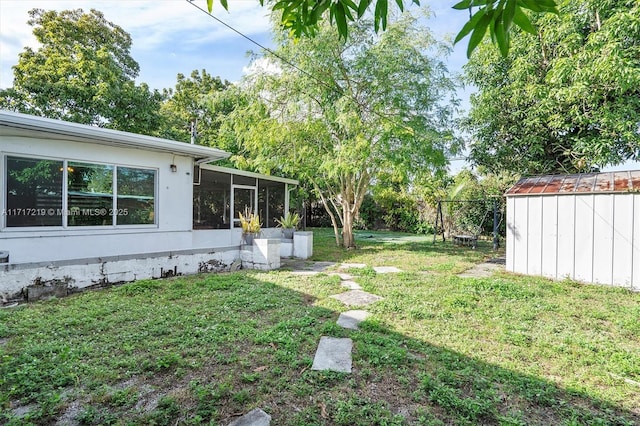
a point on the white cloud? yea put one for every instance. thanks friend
(159, 28)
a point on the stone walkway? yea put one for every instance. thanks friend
(333, 353)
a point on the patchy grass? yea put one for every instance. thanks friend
(439, 349)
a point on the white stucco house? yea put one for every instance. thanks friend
(83, 205)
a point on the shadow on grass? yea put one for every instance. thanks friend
(207, 348)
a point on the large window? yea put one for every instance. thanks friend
(34, 192)
(89, 194)
(40, 193)
(136, 196)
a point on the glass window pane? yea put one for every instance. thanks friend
(270, 202)
(34, 192)
(89, 194)
(136, 196)
(212, 201)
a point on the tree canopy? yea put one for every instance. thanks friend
(185, 107)
(83, 72)
(351, 112)
(565, 101)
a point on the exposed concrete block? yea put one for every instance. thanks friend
(40, 291)
(33, 281)
(263, 254)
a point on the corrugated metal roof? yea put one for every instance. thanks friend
(607, 182)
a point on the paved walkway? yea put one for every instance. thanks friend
(335, 354)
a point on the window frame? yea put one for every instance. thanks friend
(65, 195)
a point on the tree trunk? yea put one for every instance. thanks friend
(348, 241)
(334, 222)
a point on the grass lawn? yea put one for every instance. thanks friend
(439, 349)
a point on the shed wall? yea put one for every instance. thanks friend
(591, 237)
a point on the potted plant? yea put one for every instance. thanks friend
(250, 226)
(288, 223)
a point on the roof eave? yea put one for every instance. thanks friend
(109, 136)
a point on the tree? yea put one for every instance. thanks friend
(83, 72)
(350, 112)
(185, 107)
(566, 101)
(495, 16)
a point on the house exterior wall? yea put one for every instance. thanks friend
(57, 260)
(593, 237)
(172, 230)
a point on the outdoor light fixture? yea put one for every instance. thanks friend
(174, 168)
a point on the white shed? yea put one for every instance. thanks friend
(584, 227)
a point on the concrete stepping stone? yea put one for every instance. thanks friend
(255, 417)
(353, 265)
(386, 269)
(351, 319)
(305, 265)
(343, 276)
(351, 285)
(356, 298)
(482, 270)
(333, 354)
(304, 272)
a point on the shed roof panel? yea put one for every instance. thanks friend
(607, 182)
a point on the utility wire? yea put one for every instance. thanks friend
(271, 51)
(332, 87)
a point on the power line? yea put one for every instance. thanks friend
(333, 87)
(286, 61)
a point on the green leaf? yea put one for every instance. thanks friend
(501, 36)
(362, 7)
(380, 15)
(210, 5)
(224, 4)
(509, 11)
(350, 5)
(470, 25)
(464, 4)
(522, 20)
(318, 10)
(341, 19)
(478, 33)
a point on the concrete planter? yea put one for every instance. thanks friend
(303, 244)
(264, 254)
